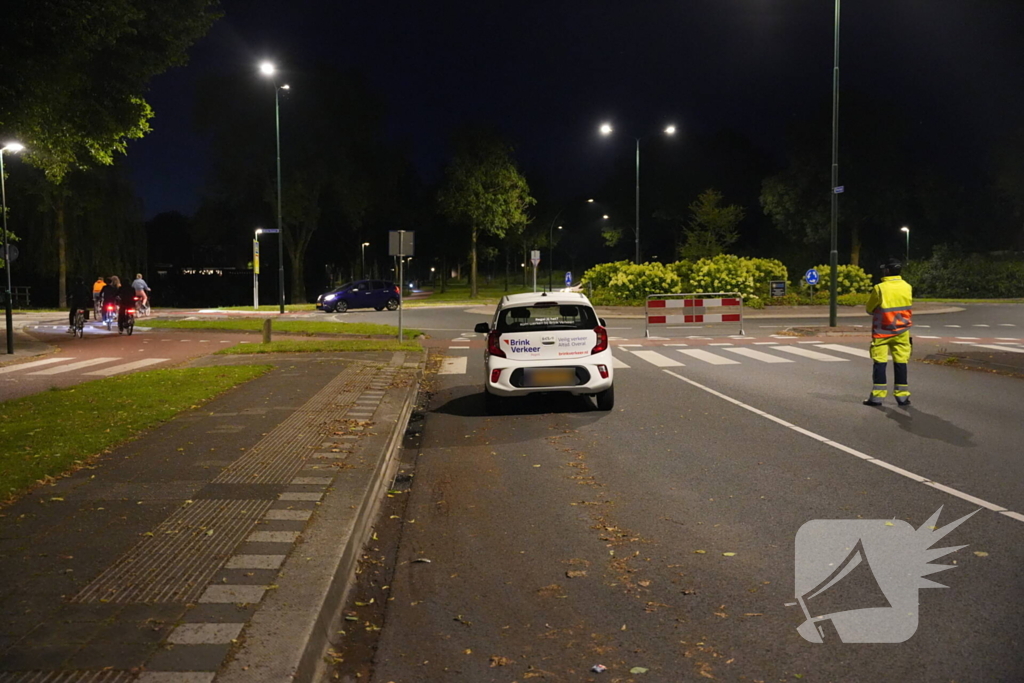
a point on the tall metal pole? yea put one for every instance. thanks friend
(8, 307)
(907, 259)
(256, 273)
(280, 227)
(834, 253)
(401, 279)
(637, 200)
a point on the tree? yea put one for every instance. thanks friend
(711, 228)
(74, 76)
(484, 191)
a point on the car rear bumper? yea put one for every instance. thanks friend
(510, 381)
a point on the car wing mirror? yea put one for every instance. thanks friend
(482, 328)
(601, 322)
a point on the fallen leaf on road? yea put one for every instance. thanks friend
(575, 574)
(752, 614)
(980, 553)
(499, 661)
(422, 559)
(638, 670)
(731, 554)
(645, 584)
(467, 651)
(700, 552)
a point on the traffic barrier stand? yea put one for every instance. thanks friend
(689, 309)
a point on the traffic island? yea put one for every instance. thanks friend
(222, 541)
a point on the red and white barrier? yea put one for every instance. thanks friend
(684, 309)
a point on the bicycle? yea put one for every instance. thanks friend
(78, 328)
(128, 326)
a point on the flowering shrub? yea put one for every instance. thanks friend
(724, 273)
(635, 282)
(600, 276)
(852, 279)
(766, 270)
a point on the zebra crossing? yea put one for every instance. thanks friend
(678, 354)
(68, 365)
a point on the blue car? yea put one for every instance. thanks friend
(376, 294)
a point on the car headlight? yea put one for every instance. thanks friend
(330, 297)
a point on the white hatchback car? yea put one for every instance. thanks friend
(547, 342)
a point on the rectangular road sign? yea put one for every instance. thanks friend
(400, 243)
(256, 256)
(535, 257)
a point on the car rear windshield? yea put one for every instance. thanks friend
(546, 317)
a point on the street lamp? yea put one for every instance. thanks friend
(906, 230)
(833, 257)
(362, 259)
(13, 148)
(268, 69)
(606, 129)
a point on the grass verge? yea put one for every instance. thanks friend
(283, 326)
(971, 301)
(458, 294)
(48, 434)
(271, 308)
(321, 346)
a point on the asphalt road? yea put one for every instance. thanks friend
(662, 535)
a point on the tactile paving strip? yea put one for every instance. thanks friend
(282, 452)
(177, 562)
(67, 677)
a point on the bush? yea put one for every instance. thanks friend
(766, 270)
(852, 299)
(600, 276)
(852, 279)
(684, 269)
(635, 282)
(724, 273)
(947, 274)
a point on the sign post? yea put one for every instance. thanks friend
(400, 244)
(812, 278)
(535, 260)
(256, 274)
(568, 278)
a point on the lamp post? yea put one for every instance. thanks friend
(906, 230)
(362, 259)
(256, 269)
(606, 129)
(833, 257)
(13, 148)
(268, 70)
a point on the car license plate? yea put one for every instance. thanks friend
(550, 377)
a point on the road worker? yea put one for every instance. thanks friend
(890, 305)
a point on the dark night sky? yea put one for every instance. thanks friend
(546, 73)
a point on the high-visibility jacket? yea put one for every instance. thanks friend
(98, 286)
(890, 306)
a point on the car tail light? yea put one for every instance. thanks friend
(495, 376)
(394, 289)
(603, 369)
(602, 340)
(492, 344)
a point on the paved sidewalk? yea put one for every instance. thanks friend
(223, 540)
(773, 312)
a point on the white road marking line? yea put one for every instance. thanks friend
(759, 355)
(126, 367)
(1008, 338)
(779, 336)
(675, 344)
(1008, 343)
(952, 326)
(207, 341)
(853, 351)
(922, 336)
(708, 357)
(1007, 325)
(658, 338)
(618, 364)
(807, 353)
(967, 338)
(981, 346)
(467, 348)
(655, 358)
(808, 342)
(223, 341)
(616, 338)
(922, 325)
(846, 449)
(765, 344)
(454, 366)
(721, 344)
(74, 366)
(460, 339)
(693, 337)
(980, 325)
(630, 346)
(33, 364)
(962, 342)
(739, 336)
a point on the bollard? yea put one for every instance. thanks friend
(266, 331)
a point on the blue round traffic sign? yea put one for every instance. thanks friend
(811, 276)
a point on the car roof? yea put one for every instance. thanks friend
(546, 297)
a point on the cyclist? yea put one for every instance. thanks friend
(140, 287)
(126, 300)
(79, 299)
(108, 296)
(97, 297)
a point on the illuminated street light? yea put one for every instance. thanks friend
(606, 129)
(268, 69)
(13, 148)
(907, 230)
(362, 259)
(605, 216)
